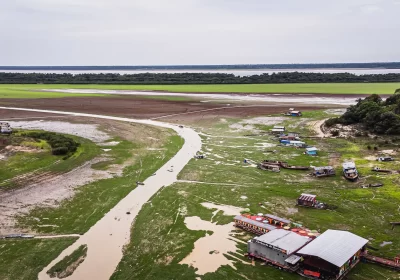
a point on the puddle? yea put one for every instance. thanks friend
(208, 253)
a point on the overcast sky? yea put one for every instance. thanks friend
(160, 32)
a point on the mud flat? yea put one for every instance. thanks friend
(283, 98)
(105, 240)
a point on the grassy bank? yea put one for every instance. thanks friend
(24, 259)
(34, 91)
(160, 239)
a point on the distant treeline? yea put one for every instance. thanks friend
(194, 78)
(368, 65)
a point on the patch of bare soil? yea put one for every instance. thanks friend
(137, 107)
(48, 190)
(334, 159)
(317, 127)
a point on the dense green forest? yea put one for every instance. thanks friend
(194, 78)
(376, 115)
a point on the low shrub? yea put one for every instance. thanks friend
(335, 132)
(60, 144)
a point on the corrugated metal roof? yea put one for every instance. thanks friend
(311, 149)
(255, 223)
(334, 246)
(283, 239)
(277, 218)
(307, 197)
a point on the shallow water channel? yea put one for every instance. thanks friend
(105, 240)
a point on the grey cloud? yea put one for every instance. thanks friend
(126, 32)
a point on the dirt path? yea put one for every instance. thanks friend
(105, 240)
(316, 126)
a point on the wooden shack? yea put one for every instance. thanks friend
(306, 199)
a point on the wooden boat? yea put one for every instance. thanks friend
(378, 169)
(294, 167)
(376, 185)
(349, 171)
(271, 162)
(267, 167)
(285, 165)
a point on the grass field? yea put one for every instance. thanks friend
(160, 236)
(34, 91)
(24, 259)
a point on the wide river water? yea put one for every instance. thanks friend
(235, 72)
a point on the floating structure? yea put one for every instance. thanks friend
(267, 167)
(253, 225)
(292, 112)
(293, 143)
(349, 171)
(277, 247)
(332, 255)
(312, 151)
(295, 167)
(375, 185)
(378, 169)
(5, 128)
(291, 136)
(323, 171)
(278, 129)
(284, 164)
(310, 200)
(275, 220)
(306, 199)
(385, 159)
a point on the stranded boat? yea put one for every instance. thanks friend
(284, 164)
(268, 167)
(349, 171)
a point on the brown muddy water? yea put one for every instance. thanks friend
(209, 252)
(106, 239)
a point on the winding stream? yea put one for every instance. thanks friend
(105, 240)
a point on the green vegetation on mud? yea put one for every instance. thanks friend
(67, 265)
(40, 159)
(24, 259)
(34, 91)
(160, 238)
